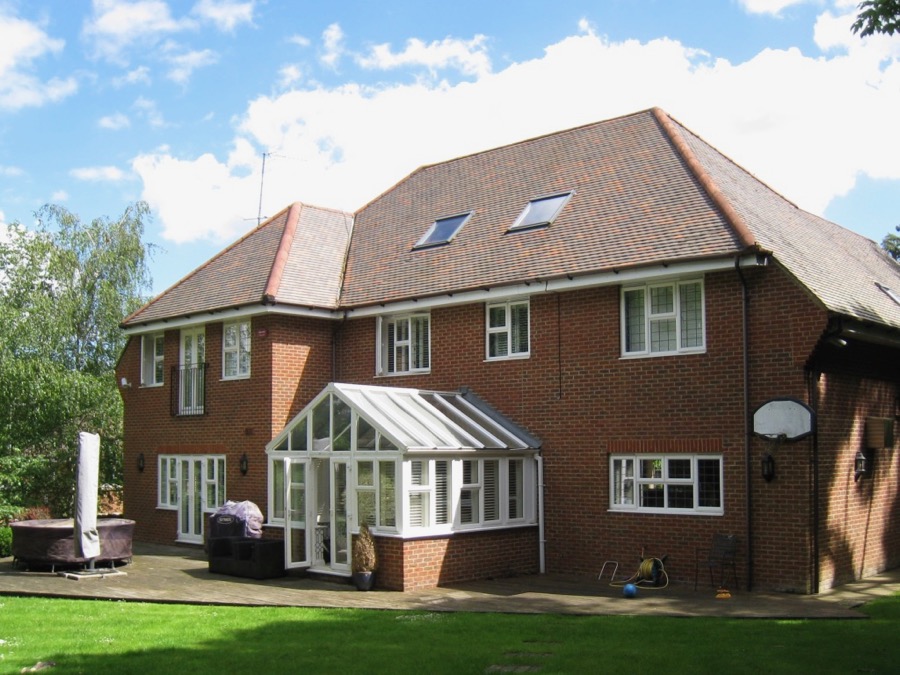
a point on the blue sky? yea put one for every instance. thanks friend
(176, 102)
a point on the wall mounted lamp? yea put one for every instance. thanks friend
(768, 468)
(244, 464)
(140, 462)
(862, 464)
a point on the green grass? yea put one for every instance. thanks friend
(88, 636)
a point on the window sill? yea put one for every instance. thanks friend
(665, 512)
(656, 355)
(514, 357)
(405, 373)
(236, 377)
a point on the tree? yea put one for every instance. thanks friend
(64, 288)
(877, 16)
(891, 244)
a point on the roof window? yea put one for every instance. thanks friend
(540, 212)
(443, 230)
(890, 293)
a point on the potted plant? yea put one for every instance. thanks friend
(364, 560)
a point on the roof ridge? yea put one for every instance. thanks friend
(706, 181)
(283, 253)
(133, 316)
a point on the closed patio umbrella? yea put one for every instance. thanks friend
(87, 538)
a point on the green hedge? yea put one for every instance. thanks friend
(5, 541)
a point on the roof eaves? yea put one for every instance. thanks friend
(745, 236)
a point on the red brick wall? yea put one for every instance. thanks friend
(242, 415)
(406, 565)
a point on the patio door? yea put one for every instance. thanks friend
(330, 536)
(191, 507)
(296, 536)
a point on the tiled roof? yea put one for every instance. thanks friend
(646, 191)
(294, 258)
(636, 202)
(841, 268)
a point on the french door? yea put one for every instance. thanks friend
(191, 506)
(315, 500)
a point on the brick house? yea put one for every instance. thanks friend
(534, 358)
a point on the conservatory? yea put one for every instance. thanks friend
(413, 464)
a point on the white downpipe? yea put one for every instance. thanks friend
(540, 476)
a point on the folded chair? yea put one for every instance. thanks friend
(719, 556)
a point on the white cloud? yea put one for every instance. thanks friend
(772, 7)
(184, 65)
(59, 196)
(807, 126)
(333, 45)
(289, 74)
(98, 174)
(114, 122)
(299, 40)
(148, 111)
(139, 75)
(11, 171)
(468, 56)
(225, 14)
(116, 25)
(22, 43)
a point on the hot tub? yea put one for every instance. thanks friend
(52, 542)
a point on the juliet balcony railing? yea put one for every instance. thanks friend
(189, 390)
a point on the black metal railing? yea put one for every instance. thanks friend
(189, 390)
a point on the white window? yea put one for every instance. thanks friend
(152, 352)
(666, 483)
(663, 319)
(236, 350)
(376, 489)
(428, 497)
(404, 344)
(507, 329)
(179, 473)
(492, 492)
(191, 385)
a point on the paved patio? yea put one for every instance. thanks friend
(180, 575)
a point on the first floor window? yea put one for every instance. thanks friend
(663, 318)
(152, 352)
(507, 329)
(666, 483)
(236, 350)
(405, 344)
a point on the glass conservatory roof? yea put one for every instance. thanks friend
(420, 420)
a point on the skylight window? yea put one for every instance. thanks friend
(540, 212)
(443, 230)
(890, 293)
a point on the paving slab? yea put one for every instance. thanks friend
(177, 574)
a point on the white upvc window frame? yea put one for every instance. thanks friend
(403, 344)
(169, 481)
(505, 492)
(428, 502)
(153, 359)
(634, 479)
(688, 320)
(236, 350)
(500, 339)
(385, 519)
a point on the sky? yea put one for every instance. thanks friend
(218, 113)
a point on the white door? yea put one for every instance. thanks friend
(296, 537)
(191, 394)
(191, 506)
(329, 539)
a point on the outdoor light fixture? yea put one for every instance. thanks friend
(244, 465)
(768, 468)
(140, 463)
(861, 465)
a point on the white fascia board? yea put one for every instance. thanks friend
(231, 314)
(557, 285)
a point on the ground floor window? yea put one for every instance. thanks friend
(666, 483)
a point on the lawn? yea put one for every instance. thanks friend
(89, 636)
